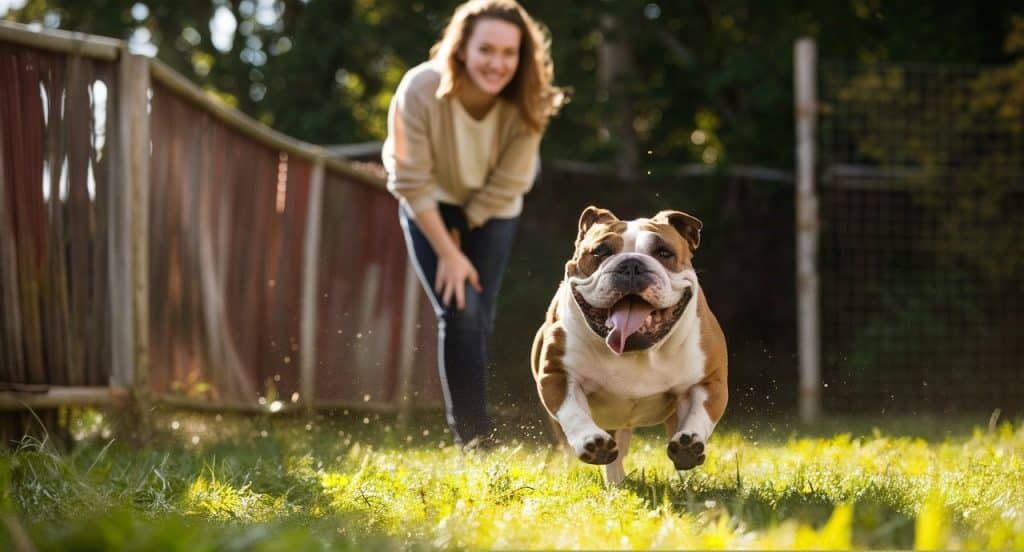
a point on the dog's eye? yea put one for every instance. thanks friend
(664, 253)
(601, 251)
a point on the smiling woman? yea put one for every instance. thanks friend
(490, 59)
(464, 132)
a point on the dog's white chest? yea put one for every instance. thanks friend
(673, 368)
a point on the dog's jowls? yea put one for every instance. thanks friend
(629, 341)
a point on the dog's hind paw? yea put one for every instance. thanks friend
(599, 450)
(686, 451)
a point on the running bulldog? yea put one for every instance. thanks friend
(629, 341)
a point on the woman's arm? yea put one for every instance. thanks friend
(453, 267)
(406, 156)
(407, 153)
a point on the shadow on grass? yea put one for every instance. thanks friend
(126, 529)
(876, 523)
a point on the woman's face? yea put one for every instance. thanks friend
(491, 54)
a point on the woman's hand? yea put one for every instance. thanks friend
(453, 270)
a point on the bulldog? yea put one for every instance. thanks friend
(629, 341)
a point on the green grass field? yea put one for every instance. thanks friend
(358, 482)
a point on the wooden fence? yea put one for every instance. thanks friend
(157, 244)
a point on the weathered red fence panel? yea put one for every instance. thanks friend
(55, 180)
(363, 266)
(227, 223)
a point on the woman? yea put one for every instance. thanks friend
(464, 131)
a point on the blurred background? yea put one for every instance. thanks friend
(686, 105)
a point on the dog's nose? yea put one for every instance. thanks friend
(630, 267)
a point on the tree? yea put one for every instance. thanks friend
(654, 83)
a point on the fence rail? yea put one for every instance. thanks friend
(188, 252)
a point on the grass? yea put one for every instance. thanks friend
(358, 482)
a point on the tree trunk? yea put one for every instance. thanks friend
(616, 67)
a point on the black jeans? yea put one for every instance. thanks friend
(463, 335)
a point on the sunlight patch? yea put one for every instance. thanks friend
(209, 497)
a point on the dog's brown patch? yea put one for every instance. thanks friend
(716, 360)
(589, 217)
(668, 239)
(688, 226)
(603, 241)
(548, 369)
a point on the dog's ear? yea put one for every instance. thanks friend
(591, 216)
(688, 226)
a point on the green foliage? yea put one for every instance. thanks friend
(324, 70)
(935, 288)
(960, 132)
(338, 483)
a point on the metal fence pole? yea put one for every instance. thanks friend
(807, 226)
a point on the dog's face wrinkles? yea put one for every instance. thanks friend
(634, 277)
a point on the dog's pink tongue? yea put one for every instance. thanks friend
(627, 317)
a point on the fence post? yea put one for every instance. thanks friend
(310, 265)
(134, 138)
(410, 315)
(808, 321)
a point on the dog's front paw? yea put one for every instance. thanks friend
(597, 448)
(686, 451)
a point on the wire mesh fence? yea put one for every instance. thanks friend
(921, 201)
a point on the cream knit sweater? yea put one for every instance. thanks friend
(421, 155)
